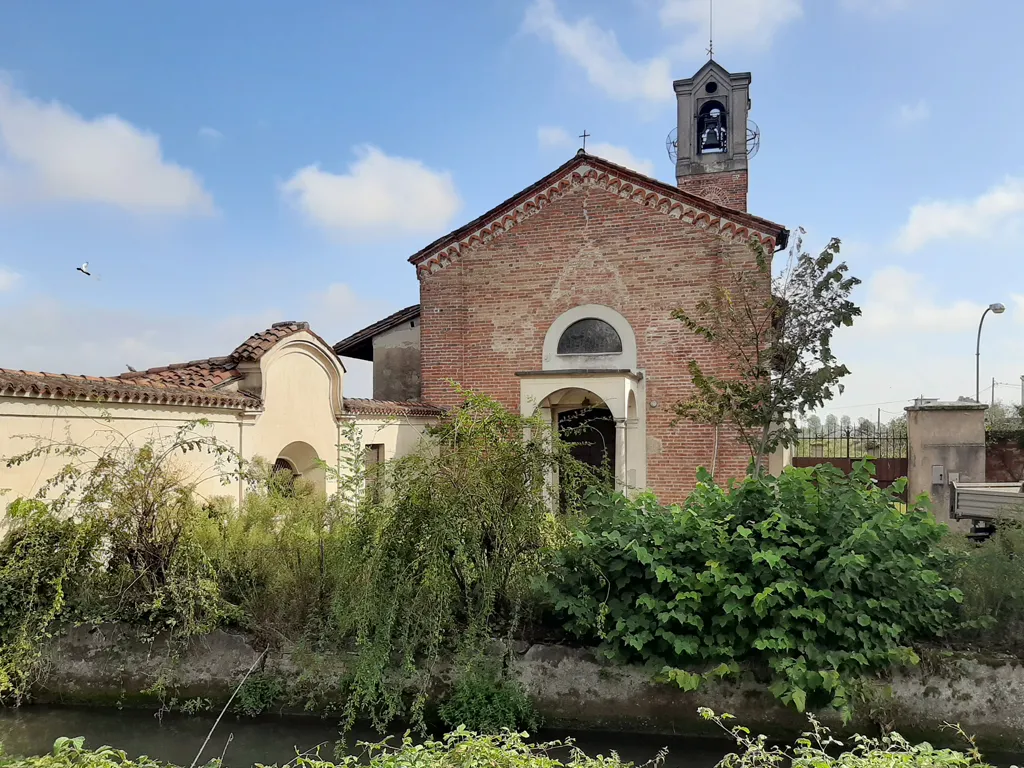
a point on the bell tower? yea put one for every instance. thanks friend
(711, 136)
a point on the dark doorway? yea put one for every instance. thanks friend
(591, 434)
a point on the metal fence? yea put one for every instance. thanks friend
(843, 446)
(851, 443)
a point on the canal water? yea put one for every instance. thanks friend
(176, 738)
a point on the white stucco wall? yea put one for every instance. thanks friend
(301, 382)
(400, 435)
(24, 422)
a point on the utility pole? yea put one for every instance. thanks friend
(992, 395)
(1022, 392)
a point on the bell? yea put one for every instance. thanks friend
(713, 136)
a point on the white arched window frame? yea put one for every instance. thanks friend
(624, 360)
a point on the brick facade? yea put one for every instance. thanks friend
(728, 188)
(485, 312)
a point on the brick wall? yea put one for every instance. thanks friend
(727, 188)
(484, 316)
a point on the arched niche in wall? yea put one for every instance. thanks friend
(590, 336)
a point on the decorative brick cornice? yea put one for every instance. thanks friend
(591, 171)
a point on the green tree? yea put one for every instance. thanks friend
(831, 423)
(814, 424)
(777, 336)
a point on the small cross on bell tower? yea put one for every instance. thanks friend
(711, 138)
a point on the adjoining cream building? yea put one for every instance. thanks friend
(278, 396)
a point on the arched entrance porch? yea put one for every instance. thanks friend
(612, 402)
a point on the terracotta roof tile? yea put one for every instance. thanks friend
(205, 374)
(367, 407)
(191, 383)
(61, 386)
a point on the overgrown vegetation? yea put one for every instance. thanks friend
(817, 577)
(436, 562)
(810, 580)
(817, 748)
(459, 749)
(463, 748)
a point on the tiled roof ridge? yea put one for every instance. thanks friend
(373, 407)
(113, 388)
(192, 383)
(628, 184)
(223, 360)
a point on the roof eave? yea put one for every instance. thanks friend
(778, 232)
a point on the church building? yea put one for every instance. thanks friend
(561, 297)
(558, 300)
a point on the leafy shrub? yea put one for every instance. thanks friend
(258, 694)
(143, 506)
(487, 703)
(818, 576)
(43, 559)
(818, 749)
(459, 749)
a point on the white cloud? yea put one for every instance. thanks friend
(210, 134)
(8, 279)
(902, 301)
(909, 114)
(550, 137)
(917, 336)
(554, 137)
(597, 51)
(48, 152)
(997, 208)
(622, 156)
(378, 193)
(58, 337)
(748, 24)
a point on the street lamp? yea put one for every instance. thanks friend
(996, 309)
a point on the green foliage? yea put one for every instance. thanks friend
(71, 753)
(991, 576)
(275, 556)
(818, 749)
(142, 504)
(817, 576)
(259, 694)
(487, 703)
(458, 749)
(444, 554)
(778, 336)
(112, 536)
(43, 558)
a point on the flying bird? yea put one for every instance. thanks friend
(84, 269)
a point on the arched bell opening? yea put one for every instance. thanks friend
(712, 129)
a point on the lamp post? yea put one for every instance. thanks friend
(996, 309)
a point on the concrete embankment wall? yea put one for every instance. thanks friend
(570, 687)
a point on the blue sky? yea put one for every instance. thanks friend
(227, 165)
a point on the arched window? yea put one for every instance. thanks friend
(712, 131)
(589, 336)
